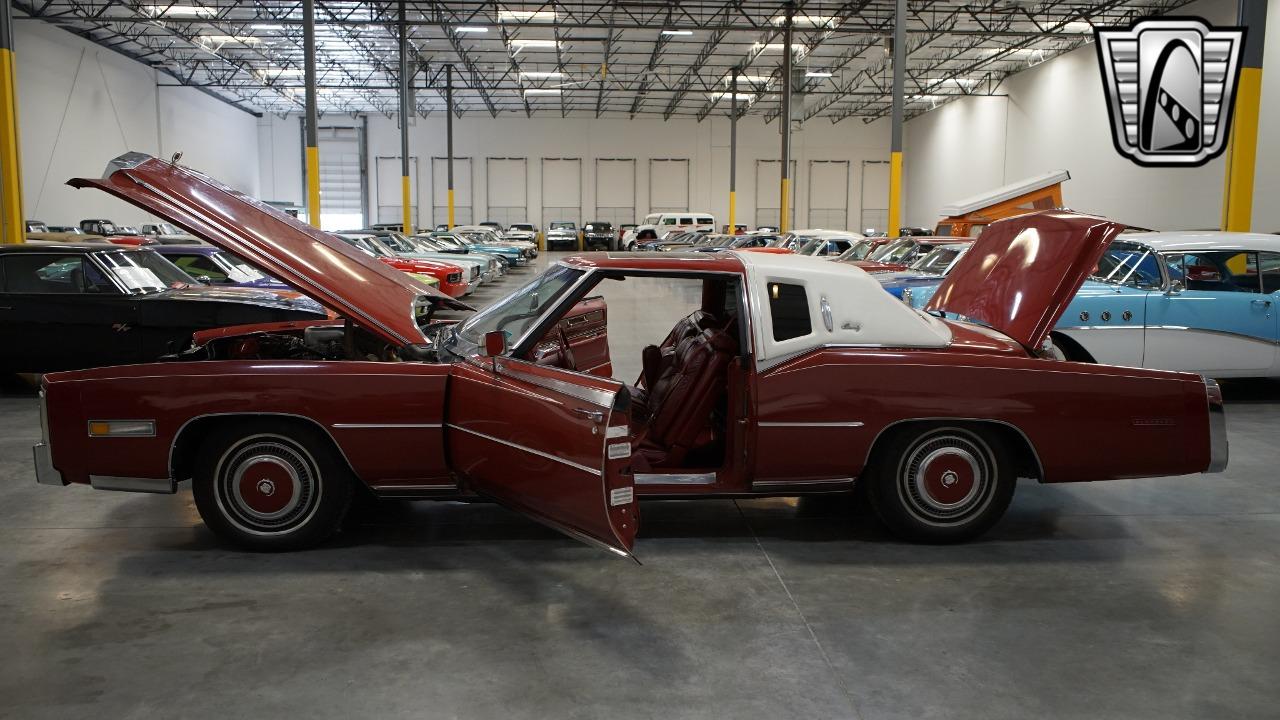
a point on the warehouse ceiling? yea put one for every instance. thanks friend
(594, 59)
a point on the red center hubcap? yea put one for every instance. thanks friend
(948, 479)
(266, 487)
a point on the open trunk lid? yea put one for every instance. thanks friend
(1022, 272)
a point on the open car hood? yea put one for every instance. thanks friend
(378, 298)
(1021, 273)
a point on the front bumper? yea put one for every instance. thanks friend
(1218, 446)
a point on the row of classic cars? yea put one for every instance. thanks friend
(793, 376)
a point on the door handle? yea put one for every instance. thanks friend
(1263, 303)
(593, 415)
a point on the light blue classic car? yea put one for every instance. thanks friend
(1202, 302)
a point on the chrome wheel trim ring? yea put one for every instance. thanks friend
(239, 457)
(946, 444)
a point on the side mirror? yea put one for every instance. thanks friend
(495, 343)
(204, 280)
(1175, 288)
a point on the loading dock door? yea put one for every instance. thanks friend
(668, 185)
(561, 190)
(388, 189)
(343, 199)
(615, 191)
(769, 191)
(508, 191)
(829, 194)
(462, 204)
(875, 196)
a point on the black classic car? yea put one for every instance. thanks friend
(598, 235)
(68, 307)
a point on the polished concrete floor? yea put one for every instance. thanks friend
(1151, 598)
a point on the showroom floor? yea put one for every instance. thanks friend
(1132, 599)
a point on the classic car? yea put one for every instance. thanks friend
(561, 235)
(480, 268)
(214, 266)
(463, 242)
(454, 281)
(899, 253)
(598, 235)
(792, 377)
(167, 234)
(115, 234)
(1205, 302)
(68, 306)
(522, 231)
(37, 231)
(861, 249)
(431, 243)
(738, 229)
(720, 243)
(684, 240)
(824, 243)
(656, 225)
(925, 274)
(485, 235)
(915, 232)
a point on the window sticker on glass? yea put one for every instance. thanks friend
(137, 278)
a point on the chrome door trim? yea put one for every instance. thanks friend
(675, 479)
(366, 426)
(1211, 331)
(847, 424)
(595, 396)
(774, 484)
(414, 488)
(529, 450)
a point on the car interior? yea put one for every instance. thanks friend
(681, 402)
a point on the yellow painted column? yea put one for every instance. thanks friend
(408, 206)
(451, 223)
(1242, 147)
(313, 186)
(895, 193)
(14, 222)
(733, 208)
(783, 213)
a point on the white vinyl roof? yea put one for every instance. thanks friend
(1006, 192)
(1189, 240)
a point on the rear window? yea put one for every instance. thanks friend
(706, 221)
(789, 308)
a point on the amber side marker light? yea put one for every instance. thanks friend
(122, 428)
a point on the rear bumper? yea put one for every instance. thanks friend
(46, 474)
(1218, 447)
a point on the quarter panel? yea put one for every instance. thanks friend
(1084, 421)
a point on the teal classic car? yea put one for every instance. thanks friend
(1202, 302)
(487, 266)
(514, 255)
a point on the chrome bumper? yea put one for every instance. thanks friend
(46, 474)
(1218, 449)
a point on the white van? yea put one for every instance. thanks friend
(656, 225)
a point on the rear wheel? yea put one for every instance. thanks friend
(941, 484)
(271, 487)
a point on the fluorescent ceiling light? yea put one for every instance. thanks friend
(541, 73)
(470, 29)
(1078, 26)
(748, 79)
(726, 95)
(505, 15)
(818, 73)
(180, 11)
(542, 91)
(535, 44)
(778, 47)
(267, 26)
(238, 39)
(811, 20)
(677, 32)
(286, 72)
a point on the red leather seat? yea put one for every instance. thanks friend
(680, 401)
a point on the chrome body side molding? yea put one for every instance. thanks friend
(675, 479)
(165, 486)
(539, 453)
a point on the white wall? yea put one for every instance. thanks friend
(80, 105)
(704, 144)
(1055, 116)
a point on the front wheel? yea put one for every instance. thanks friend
(271, 487)
(941, 484)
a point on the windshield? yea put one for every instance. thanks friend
(398, 243)
(144, 271)
(937, 260)
(1129, 264)
(894, 252)
(523, 227)
(561, 226)
(520, 310)
(367, 244)
(167, 229)
(809, 245)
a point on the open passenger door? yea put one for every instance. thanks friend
(546, 442)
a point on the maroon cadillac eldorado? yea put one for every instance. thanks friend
(794, 376)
